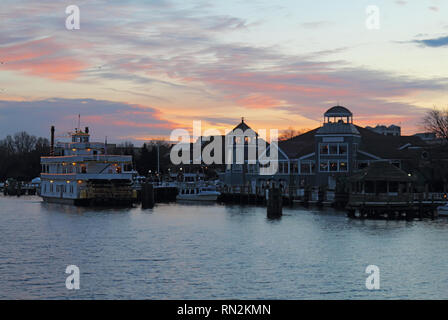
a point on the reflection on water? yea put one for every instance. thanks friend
(206, 251)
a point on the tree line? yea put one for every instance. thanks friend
(20, 156)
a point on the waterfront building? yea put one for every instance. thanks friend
(328, 155)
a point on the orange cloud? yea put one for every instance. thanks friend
(41, 58)
(259, 101)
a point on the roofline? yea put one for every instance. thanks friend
(278, 148)
(370, 155)
(339, 135)
(306, 156)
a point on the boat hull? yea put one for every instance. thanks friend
(90, 202)
(197, 197)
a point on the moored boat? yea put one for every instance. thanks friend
(81, 172)
(197, 193)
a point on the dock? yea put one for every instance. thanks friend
(290, 196)
(393, 207)
(18, 188)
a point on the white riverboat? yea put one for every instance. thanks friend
(81, 172)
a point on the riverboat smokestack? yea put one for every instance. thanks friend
(87, 130)
(52, 142)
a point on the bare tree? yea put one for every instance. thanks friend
(126, 148)
(23, 142)
(290, 133)
(436, 121)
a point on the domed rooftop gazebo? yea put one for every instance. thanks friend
(338, 114)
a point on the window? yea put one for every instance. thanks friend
(283, 167)
(324, 149)
(333, 149)
(333, 166)
(295, 167)
(323, 166)
(305, 168)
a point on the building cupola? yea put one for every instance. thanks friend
(338, 114)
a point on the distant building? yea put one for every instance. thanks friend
(391, 130)
(426, 136)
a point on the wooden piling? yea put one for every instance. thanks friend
(274, 203)
(147, 196)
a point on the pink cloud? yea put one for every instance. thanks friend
(258, 101)
(41, 58)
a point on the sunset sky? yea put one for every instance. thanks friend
(138, 69)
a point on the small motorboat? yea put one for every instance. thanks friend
(195, 193)
(443, 210)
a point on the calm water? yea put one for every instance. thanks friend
(184, 251)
